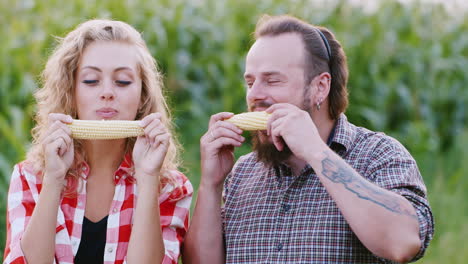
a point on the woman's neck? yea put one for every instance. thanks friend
(104, 154)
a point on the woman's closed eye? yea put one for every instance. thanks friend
(90, 81)
(123, 83)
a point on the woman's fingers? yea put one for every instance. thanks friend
(161, 140)
(150, 118)
(59, 132)
(59, 117)
(153, 127)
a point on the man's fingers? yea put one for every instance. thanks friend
(276, 130)
(275, 107)
(225, 142)
(219, 117)
(224, 132)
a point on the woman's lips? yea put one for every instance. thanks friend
(107, 112)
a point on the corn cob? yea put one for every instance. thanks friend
(250, 120)
(105, 129)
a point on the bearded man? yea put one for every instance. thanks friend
(315, 188)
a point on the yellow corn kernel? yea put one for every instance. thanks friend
(250, 120)
(105, 129)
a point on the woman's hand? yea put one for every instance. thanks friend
(150, 150)
(58, 149)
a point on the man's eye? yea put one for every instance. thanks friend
(273, 81)
(123, 83)
(90, 81)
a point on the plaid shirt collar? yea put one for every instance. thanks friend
(342, 136)
(340, 140)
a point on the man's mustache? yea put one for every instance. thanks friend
(262, 104)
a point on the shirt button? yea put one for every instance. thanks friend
(286, 207)
(279, 246)
(110, 249)
(83, 168)
(114, 210)
(117, 177)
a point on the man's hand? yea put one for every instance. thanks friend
(295, 127)
(217, 149)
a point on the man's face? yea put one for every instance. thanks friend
(274, 73)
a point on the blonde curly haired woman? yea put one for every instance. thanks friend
(99, 201)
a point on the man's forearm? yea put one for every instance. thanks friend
(385, 222)
(204, 240)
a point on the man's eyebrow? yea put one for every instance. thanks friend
(268, 73)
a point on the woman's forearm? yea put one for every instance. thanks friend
(146, 242)
(41, 227)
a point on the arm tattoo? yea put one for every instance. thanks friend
(361, 187)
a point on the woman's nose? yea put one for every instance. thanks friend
(107, 91)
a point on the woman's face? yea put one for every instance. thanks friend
(108, 83)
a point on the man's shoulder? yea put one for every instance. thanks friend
(376, 141)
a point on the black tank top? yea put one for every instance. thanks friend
(93, 242)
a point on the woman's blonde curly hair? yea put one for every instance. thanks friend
(57, 94)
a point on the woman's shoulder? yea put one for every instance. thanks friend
(176, 186)
(28, 170)
(24, 178)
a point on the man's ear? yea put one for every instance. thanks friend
(322, 83)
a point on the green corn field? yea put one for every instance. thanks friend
(408, 78)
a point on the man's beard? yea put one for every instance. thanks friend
(267, 152)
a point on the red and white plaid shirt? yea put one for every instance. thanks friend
(25, 186)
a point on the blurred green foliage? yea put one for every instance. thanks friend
(408, 72)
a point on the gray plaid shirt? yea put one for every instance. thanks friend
(269, 216)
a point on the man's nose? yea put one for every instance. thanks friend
(256, 93)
